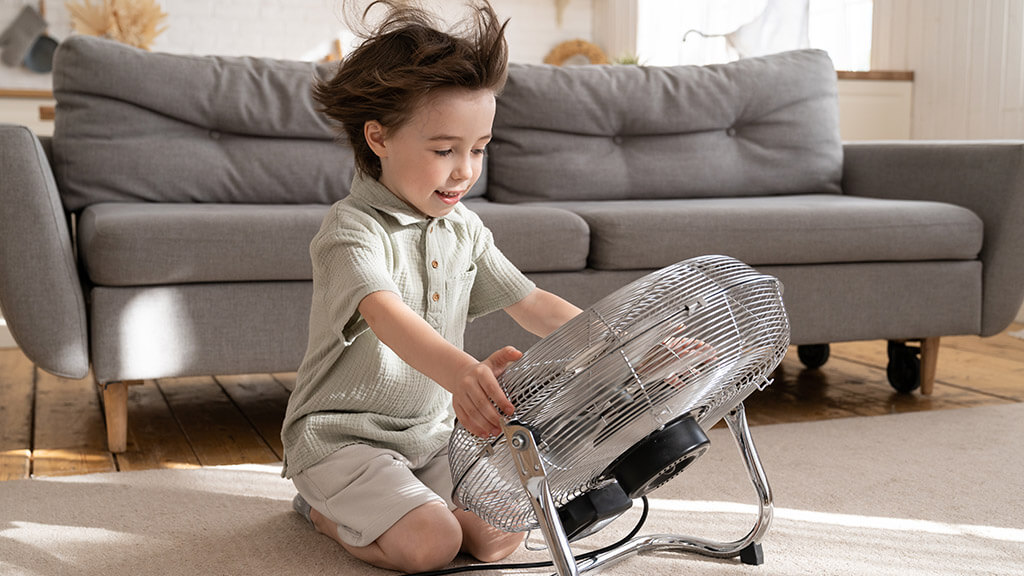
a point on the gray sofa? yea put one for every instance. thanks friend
(164, 229)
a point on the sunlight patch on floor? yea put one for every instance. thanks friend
(847, 520)
(34, 532)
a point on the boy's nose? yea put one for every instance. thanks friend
(463, 170)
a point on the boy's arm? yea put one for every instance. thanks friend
(541, 312)
(473, 384)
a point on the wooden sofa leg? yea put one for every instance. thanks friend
(115, 410)
(929, 360)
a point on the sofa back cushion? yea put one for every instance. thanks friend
(139, 126)
(758, 126)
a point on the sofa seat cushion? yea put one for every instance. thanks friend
(800, 229)
(140, 244)
(536, 237)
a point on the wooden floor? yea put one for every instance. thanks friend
(54, 426)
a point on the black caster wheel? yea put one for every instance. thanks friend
(904, 368)
(660, 456)
(813, 355)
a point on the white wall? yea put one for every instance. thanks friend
(300, 29)
(5, 335)
(615, 27)
(967, 61)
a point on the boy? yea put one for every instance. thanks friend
(399, 267)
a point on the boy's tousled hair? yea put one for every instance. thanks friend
(401, 62)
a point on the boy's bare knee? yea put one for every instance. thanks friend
(428, 538)
(427, 558)
(485, 542)
(427, 553)
(494, 548)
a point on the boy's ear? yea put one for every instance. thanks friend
(373, 131)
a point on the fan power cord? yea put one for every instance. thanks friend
(528, 565)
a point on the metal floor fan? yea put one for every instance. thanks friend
(616, 402)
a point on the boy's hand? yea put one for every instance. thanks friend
(473, 385)
(476, 393)
(688, 355)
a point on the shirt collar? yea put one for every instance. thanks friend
(380, 198)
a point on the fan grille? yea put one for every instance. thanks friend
(694, 338)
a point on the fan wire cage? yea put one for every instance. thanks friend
(680, 348)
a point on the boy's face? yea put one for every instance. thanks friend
(436, 157)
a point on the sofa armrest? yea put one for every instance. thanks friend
(986, 177)
(40, 292)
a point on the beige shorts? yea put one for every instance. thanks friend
(366, 490)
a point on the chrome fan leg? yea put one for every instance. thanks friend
(523, 446)
(747, 548)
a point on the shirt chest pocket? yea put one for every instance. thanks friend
(457, 292)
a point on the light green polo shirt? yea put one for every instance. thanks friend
(350, 387)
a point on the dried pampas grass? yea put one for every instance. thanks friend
(133, 22)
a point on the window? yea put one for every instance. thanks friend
(843, 29)
(671, 32)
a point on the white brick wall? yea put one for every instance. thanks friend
(301, 29)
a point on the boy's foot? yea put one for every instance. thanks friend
(303, 508)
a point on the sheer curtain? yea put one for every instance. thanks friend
(670, 32)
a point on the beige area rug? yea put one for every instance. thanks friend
(936, 493)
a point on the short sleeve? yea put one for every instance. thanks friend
(498, 283)
(349, 263)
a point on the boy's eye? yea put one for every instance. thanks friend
(443, 153)
(478, 151)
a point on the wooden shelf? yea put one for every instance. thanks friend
(25, 94)
(897, 75)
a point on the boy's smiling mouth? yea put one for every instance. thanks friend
(449, 197)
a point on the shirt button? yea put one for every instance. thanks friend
(433, 264)
(435, 297)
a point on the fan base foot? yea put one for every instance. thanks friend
(752, 555)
